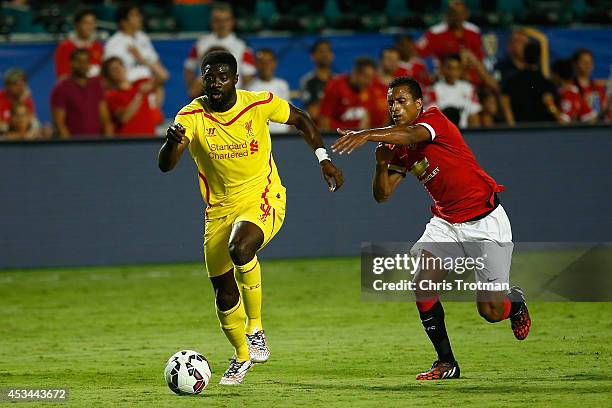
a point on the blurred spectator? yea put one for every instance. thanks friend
(574, 107)
(528, 96)
(455, 97)
(455, 36)
(15, 91)
(355, 100)
(390, 65)
(134, 47)
(222, 26)
(24, 126)
(513, 62)
(265, 61)
(490, 113)
(593, 91)
(312, 84)
(84, 36)
(410, 60)
(128, 103)
(77, 102)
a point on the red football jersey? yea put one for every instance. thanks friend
(144, 120)
(595, 95)
(459, 187)
(67, 46)
(574, 107)
(347, 109)
(416, 68)
(440, 41)
(6, 105)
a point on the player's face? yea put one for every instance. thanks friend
(219, 84)
(403, 108)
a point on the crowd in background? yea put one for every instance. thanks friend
(117, 88)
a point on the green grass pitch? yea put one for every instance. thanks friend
(105, 333)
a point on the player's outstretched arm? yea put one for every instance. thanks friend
(173, 147)
(312, 136)
(396, 134)
(385, 182)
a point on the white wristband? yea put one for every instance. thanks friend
(321, 154)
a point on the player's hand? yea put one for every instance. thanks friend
(384, 153)
(175, 133)
(332, 175)
(349, 141)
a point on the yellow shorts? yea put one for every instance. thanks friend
(267, 215)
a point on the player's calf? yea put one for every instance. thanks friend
(497, 306)
(493, 308)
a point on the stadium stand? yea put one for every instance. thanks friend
(31, 30)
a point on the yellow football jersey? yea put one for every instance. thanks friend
(233, 149)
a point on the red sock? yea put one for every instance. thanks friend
(426, 304)
(507, 306)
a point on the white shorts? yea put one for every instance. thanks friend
(488, 241)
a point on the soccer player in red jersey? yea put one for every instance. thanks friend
(466, 212)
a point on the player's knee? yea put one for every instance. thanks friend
(491, 311)
(227, 298)
(242, 250)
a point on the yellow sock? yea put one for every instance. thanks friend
(248, 278)
(232, 323)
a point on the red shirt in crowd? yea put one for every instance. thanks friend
(6, 105)
(81, 105)
(440, 41)
(416, 69)
(574, 107)
(67, 46)
(143, 122)
(348, 108)
(459, 187)
(594, 94)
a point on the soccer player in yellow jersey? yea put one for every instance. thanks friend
(226, 131)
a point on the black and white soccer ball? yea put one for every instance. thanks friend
(187, 372)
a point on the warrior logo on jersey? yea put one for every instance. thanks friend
(248, 126)
(419, 168)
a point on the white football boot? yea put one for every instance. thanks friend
(258, 347)
(235, 373)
